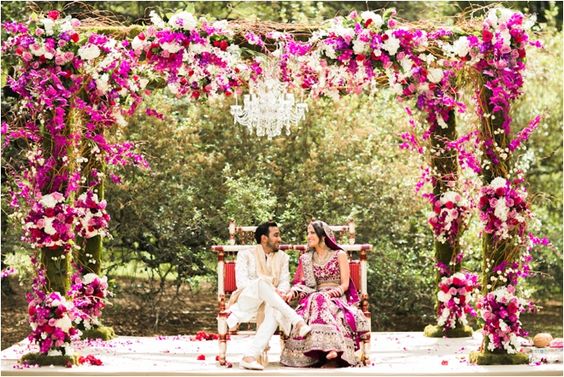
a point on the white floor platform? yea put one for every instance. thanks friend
(393, 354)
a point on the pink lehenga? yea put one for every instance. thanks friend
(336, 323)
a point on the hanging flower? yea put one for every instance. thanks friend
(503, 209)
(454, 297)
(50, 222)
(51, 321)
(89, 294)
(92, 217)
(500, 311)
(449, 217)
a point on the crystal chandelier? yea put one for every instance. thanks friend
(268, 108)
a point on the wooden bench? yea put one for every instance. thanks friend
(226, 283)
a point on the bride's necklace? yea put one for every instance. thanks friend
(321, 260)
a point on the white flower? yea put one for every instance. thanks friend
(498, 183)
(137, 43)
(435, 75)
(501, 210)
(89, 278)
(64, 323)
(48, 225)
(330, 51)
(530, 22)
(376, 18)
(48, 25)
(102, 83)
(183, 20)
(504, 34)
(391, 45)
(359, 47)
(451, 196)
(48, 201)
(459, 275)
(89, 52)
(157, 20)
(443, 297)
(461, 46)
(171, 47)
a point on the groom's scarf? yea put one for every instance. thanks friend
(271, 272)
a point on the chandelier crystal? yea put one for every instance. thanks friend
(268, 108)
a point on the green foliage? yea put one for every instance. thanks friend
(248, 200)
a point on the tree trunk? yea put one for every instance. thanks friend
(57, 269)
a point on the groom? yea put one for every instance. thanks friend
(263, 279)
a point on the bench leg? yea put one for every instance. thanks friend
(222, 337)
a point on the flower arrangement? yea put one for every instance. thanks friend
(92, 218)
(196, 56)
(89, 294)
(51, 317)
(7, 272)
(500, 311)
(503, 209)
(449, 217)
(454, 296)
(50, 222)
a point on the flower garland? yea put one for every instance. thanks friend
(89, 295)
(449, 217)
(454, 296)
(92, 218)
(500, 311)
(49, 224)
(504, 210)
(51, 318)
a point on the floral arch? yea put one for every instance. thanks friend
(74, 86)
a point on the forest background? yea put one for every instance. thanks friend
(342, 162)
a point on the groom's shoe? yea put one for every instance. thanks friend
(304, 330)
(253, 365)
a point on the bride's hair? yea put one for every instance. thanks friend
(325, 234)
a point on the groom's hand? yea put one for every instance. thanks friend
(281, 293)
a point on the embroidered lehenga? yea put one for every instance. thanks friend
(337, 324)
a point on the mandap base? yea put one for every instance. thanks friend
(100, 332)
(36, 358)
(490, 358)
(434, 331)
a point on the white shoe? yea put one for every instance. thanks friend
(304, 330)
(253, 365)
(232, 322)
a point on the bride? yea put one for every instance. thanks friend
(326, 297)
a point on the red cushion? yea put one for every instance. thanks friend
(229, 282)
(355, 273)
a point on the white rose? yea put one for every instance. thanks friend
(330, 52)
(137, 43)
(183, 20)
(359, 47)
(171, 47)
(461, 46)
(376, 18)
(443, 297)
(37, 50)
(501, 210)
(391, 45)
(64, 323)
(102, 83)
(498, 183)
(435, 75)
(157, 20)
(89, 278)
(48, 201)
(48, 225)
(48, 25)
(459, 275)
(89, 52)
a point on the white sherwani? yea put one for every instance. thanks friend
(252, 285)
